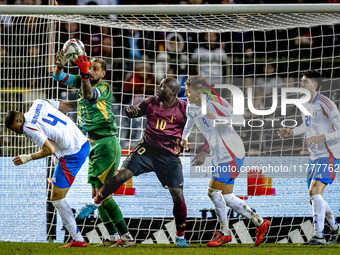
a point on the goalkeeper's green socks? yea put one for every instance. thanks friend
(116, 215)
(111, 229)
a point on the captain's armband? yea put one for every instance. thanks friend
(95, 94)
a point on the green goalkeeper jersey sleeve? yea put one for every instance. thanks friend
(96, 115)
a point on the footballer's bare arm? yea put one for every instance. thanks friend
(46, 150)
(86, 89)
(65, 107)
(132, 111)
(84, 66)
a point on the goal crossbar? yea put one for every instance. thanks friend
(173, 9)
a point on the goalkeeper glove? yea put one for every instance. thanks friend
(61, 60)
(84, 66)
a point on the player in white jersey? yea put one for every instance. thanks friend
(227, 151)
(322, 130)
(56, 134)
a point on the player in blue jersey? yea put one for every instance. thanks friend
(322, 130)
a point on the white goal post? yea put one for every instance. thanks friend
(249, 46)
(172, 9)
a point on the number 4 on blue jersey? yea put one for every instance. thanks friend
(55, 120)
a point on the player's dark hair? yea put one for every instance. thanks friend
(314, 75)
(101, 62)
(10, 118)
(197, 81)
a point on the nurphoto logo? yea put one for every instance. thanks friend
(238, 104)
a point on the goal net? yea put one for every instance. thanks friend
(257, 51)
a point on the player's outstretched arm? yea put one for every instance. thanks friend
(138, 110)
(334, 117)
(59, 74)
(314, 140)
(47, 150)
(132, 111)
(285, 132)
(61, 61)
(199, 158)
(65, 107)
(190, 123)
(84, 66)
(210, 115)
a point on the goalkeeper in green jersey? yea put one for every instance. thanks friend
(96, 118)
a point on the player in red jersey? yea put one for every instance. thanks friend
(157, 152)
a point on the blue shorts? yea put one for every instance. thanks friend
(322, 169)
(68, 167)
(227, 172)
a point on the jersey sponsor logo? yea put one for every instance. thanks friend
(36, 114)
(181, 184)
(319, 176)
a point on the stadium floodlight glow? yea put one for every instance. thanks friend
(238, 100)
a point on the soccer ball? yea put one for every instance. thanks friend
(72, 48)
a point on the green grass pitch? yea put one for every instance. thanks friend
(232, 249)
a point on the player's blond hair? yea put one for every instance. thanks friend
(197, 82)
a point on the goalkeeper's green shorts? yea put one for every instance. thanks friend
(104, 159)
